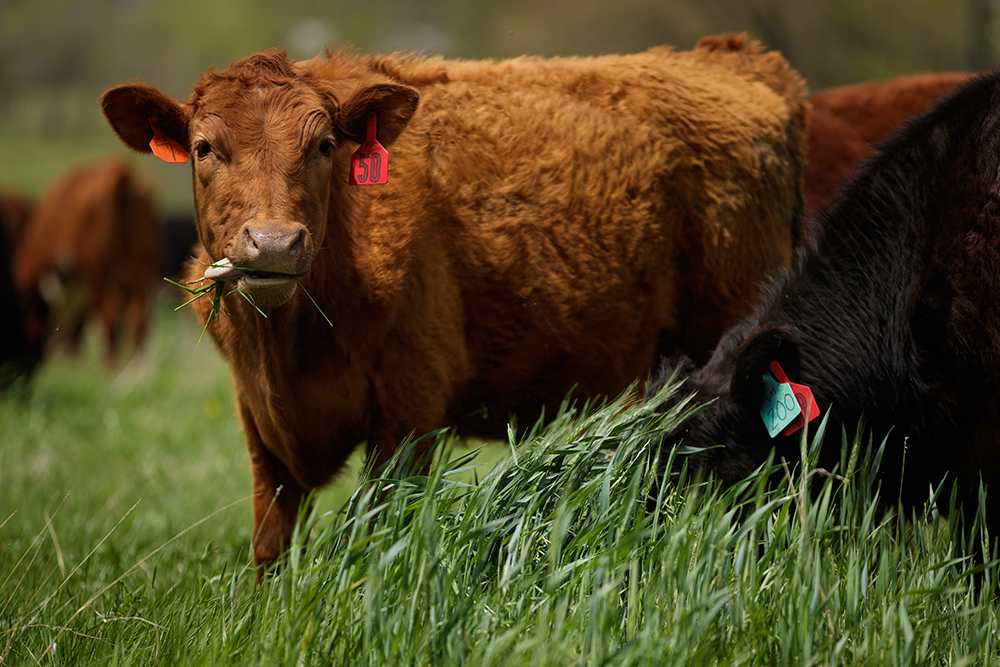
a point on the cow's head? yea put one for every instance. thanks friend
(729, 433)
(264, 137)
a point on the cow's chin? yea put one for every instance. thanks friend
(268, 292)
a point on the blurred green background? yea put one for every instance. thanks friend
(58, 56)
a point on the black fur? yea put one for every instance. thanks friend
(892, 316)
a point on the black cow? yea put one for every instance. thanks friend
(893, 317)
(22, 326)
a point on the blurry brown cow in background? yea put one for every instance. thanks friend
(847, 123)
(91, 249)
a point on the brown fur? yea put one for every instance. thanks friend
(91, 247)
(547, 223)
(847, 123)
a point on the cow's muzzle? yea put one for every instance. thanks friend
(266, 256)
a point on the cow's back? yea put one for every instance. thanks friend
(847, 123)
(594, 211)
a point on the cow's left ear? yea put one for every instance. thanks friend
(394, 105)
(132, 110)
(766, 344)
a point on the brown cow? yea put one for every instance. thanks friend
(847, 123)
(91, 246)
(547, 223)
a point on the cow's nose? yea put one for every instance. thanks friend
(267, 237)
(272, 245)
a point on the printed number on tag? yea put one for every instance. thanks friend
(370, 163)
(804, 396)
(780, 407)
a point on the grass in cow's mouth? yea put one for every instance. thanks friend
(215, 289)
(306, 292)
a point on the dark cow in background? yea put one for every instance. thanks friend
(22, 336)
(15, 209)
(180, 236)
(893, 317)
(546, 223)
(91, 249)
(848, 122)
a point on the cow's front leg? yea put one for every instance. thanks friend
(277, 498)
(383, 444)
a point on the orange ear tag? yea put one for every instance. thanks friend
(370, 163)
(164, 147)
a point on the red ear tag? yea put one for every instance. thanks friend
(803, 395)
(370, 163)
(164, 147)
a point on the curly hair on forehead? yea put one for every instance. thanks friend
(271, 66)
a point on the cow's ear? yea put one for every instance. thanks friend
(134, 109)
(766, 344)
(393, 104)
(932, 313)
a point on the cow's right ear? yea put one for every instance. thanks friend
(764, 345)
(137, 111)
(393, 104)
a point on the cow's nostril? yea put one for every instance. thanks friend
(297, 247)
(250, 243)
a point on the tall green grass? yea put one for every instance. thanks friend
(564, 552)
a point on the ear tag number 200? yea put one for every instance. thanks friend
(803, 395)
(370, 163)
(780, 407)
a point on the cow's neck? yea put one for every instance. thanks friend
(329, 320)
(871, 263)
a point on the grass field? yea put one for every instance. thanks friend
(124, 540)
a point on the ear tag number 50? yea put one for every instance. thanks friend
(370, 163)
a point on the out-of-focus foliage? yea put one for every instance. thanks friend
(57, 56)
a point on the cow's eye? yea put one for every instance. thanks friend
(326, 147)
(203, 149)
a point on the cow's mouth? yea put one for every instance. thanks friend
(265, 277)
(263, 288)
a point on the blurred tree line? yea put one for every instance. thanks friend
(57, 56)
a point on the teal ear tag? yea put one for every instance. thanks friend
(780, 407)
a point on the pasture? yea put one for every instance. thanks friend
(123, 541)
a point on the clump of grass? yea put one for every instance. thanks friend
(215, 289)
(566, 553)
(554, 558)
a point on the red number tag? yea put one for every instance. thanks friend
(803, 395)
(370, 163)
